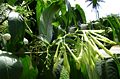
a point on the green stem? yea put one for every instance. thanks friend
(81, 52)
(75, 58)
(96, 31)
(56, 53)
(94, 48)
(101, 45)
(102, 38)
(28, 28)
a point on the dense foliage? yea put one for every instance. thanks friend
(52, 40)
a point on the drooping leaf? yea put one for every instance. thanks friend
(39, 8)
(81, 13)
(45, 25)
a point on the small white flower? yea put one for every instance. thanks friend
(25, 41)
(7, 36)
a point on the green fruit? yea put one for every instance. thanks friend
(10, 67)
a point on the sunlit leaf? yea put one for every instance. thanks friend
(82, 13)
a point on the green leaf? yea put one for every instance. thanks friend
(115, 25)
(56, 24)
(82, 13)
(29, 71)
(74, 72)
(63, 9)
(45, 25)
(39, 8)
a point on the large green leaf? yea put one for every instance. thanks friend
(115, 24)
(81, 13)
(29, 71)
(45, 25)
(109, 69)
(39, 8)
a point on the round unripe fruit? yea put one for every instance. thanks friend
(7, 36)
